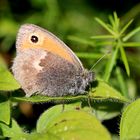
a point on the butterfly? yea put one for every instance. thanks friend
(45, 65)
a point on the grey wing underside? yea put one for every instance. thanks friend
(57, 76)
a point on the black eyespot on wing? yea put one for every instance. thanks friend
(34, 39)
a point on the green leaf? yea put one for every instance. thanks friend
(105, 110)
(100, 91)
(41, 136)
(104, 91)
(122, 82)
(103, 24)
(51, 114)
(131, 44)
(124, 59)
(126, 26)
(112, 21)
(116, 21)
(7, 81)
(72, 124)
(110, 64)
(132, 33)
(13, 131)
(46, 118)
(102, 37)
(130, 122)
(5, 112)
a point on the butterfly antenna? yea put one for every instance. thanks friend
(100, 59)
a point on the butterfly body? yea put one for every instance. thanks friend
(45, 65)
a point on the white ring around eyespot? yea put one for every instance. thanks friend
(40, 39)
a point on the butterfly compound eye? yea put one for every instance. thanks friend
(34, 39)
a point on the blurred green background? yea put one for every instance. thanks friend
(73, 22)
(66, 19)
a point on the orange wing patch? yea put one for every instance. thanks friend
(56, 48)
(50, 45)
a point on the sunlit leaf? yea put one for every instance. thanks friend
(132, 33)
(51, 114)
(126, 26)
(5, 113)
(12, 131)
(130, 122)
(72, 124)
(131, 44)
(104, 91)
(7, 81)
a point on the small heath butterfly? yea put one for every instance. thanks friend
(45, 65)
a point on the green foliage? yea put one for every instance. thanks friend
(71, 123)
(130, 126)
(119, 38)
(82, 118)
(5, 112)
(57, 124)
(12, 131)
(7, 81)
